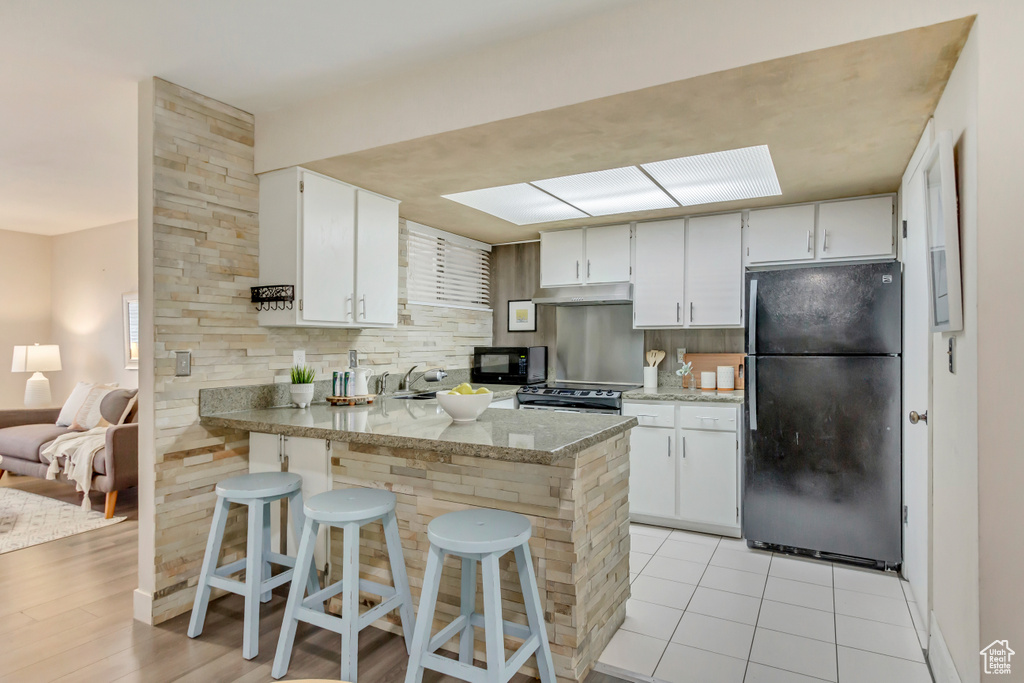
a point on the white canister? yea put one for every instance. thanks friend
(726, 378)
(707, 381)
(650, 378)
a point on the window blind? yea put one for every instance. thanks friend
(448, 270)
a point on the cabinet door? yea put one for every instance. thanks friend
(714, 270)
(561, 258)
(607, 254)
(652, 472)
(780, 235)
(376, 259)
(658, 283)
(309, 459)
(708, 481)
(857, 228)
(328, 263)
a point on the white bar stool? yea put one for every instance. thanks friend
(480, 536)
(348, 509)
(256, 491)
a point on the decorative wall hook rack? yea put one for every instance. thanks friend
(273, 297)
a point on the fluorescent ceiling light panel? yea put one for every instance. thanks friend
(601, 193)
(718, 177)
(521, 204)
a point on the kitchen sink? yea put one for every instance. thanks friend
(418, 397)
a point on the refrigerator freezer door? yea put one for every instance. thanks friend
(822, 467)
(826, 310)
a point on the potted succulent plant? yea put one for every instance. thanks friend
(302, 385)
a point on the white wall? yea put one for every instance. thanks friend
(91, 269)
(953, 412)
(25, 309)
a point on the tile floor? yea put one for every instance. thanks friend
(707, 608)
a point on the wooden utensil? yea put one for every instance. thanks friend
(660, 356)
(651, 355)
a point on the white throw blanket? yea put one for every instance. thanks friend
(76, 450)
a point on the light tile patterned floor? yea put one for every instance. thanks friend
(708, 608)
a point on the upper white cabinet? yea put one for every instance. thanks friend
(658, 283)
(607, 254)
(336, 243)
(846, 230)
(561, 258)
(714, 271)
(585, 256)
(780, 235)
(856, 228)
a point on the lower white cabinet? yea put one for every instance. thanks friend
(684, 466)
(310, 459)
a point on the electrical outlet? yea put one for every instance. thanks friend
(299, 357)
(680, 356)
(182, 363)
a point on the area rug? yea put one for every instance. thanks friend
(28, 519)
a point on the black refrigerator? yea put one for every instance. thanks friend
(822, 457)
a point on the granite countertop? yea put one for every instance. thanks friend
(531, 436)
(665, 393)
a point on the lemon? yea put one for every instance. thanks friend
(482, 390)
(463, 388)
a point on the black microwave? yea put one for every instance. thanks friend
(509, 364)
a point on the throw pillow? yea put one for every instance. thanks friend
(128, 408)
(73, 404)
(89, 415)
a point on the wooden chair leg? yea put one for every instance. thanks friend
(111, 502)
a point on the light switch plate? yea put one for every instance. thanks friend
(299, 357)
(680, 355)
(182, 363)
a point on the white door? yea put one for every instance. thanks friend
(376, 259)
(917, 361)
(328, 264)
(714, 270)
(780, 235)
(707, 477)
(561, 258)
(652, 472)
(856, 228)
(658, 282)
(607, 254)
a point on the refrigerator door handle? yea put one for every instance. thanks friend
(752, 319)
(752, 389)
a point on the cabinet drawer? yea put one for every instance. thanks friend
(651, 414)
(710, 417)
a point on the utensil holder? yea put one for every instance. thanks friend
(650, 378)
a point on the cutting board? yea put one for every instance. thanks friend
(709, 362)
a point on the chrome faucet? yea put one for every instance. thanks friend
(382, 383)
(405, 383)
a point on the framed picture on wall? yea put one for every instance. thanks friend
(522, 316)
(943, 236)
(130, 306)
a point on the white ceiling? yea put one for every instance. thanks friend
(69, 69)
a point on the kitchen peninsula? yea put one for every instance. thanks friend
(567, 472)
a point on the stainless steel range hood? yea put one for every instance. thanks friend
(586, 295)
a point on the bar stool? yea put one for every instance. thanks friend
(256, 491)
(480, 536)
(347, 509)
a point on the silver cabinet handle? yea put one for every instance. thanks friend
(809, 243)
(752, 390)
(691, 311)
(668, 440)
(577, 269)
(679, 311)
(752, 318)
(362, 302)
(707, 418)
(684, 447)
(824, 244)
(351, 306)
(653, 417)
(588, 269)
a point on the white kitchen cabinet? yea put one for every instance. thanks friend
(607, 254)
(337, 244)
(561, 258)
(310, 459)
(708, 476)
(856, 228)
(684, 466)
(658, 282)
(652, 472)
(780, 235)
(714, 271)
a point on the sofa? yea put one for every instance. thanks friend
(24, 434)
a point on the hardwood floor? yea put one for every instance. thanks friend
(66, 615)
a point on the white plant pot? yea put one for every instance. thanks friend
(302, 394)
(650, 378)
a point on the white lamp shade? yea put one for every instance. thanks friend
(36, 358)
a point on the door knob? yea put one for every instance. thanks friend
(916, 417)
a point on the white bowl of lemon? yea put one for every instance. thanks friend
(464, 403)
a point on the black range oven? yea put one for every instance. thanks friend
(509, 364)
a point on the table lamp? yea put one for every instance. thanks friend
(36, 359)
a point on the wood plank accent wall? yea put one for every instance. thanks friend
(206, 256)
